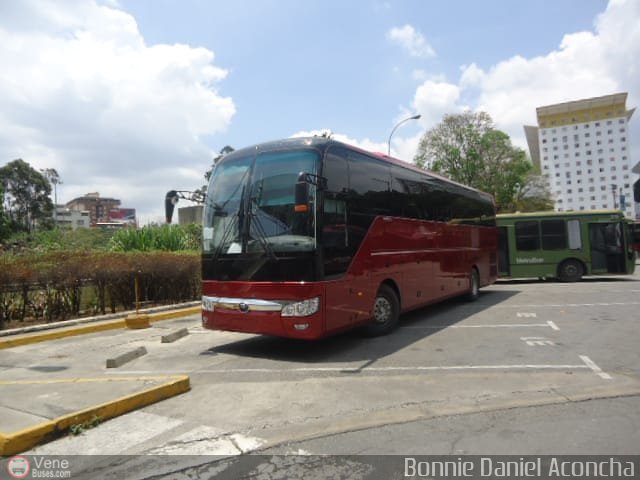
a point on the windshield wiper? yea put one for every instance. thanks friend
(259, 229)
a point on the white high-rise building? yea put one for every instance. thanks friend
(582, 148)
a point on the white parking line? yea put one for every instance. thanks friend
(553, 325)
(374, 369)
(556, 305)
(596, 369)
(495, 325)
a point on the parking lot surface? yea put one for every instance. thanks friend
(522, 345)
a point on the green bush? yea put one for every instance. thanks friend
(54, 286)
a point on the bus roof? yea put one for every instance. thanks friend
(579, 213)
(324, 142)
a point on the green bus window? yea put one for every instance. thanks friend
(554, 234)
(575, 237)
(527, 235)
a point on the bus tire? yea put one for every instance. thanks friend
(386, 312)
(570, 271)
(474, 286)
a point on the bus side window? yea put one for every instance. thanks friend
(527, 235)
(575, 237)
(554, 234)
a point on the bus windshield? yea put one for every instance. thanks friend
(251, 207)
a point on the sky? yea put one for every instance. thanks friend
(132, 98)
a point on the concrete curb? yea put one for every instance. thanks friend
(16, 442)
(126, 357)
(172, 337)
(72, 331)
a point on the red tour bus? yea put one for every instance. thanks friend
(309, 237)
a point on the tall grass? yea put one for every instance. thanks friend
(165, 238)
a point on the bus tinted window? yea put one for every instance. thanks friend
(335, 171)
(409, 192)
(527, 235)
(554, 234)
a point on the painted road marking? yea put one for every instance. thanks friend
(526, 315)
(113, 437)
(555, 305)
(552, 325)
(537, 341)
(205, 440)
(596, 369)
(377, 369)
(496, 325)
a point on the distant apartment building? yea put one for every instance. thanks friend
(73, 219)
(97, 206)
(582, 148)
(102, 210)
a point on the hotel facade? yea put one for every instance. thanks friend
(582, 148)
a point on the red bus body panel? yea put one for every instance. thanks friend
(425, 261)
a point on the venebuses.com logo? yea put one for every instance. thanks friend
(38, 467)
(18, 467)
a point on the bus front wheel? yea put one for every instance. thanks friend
(570, 271)
(386, 312)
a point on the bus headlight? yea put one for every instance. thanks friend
(208, 304)
(301, 309)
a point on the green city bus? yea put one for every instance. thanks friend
(565, 245)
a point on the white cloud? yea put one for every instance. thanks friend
(401, 148)
(435, 98)
(412, 41)
(83, 93)
(585, 64)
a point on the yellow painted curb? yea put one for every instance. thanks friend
(154, 317)
(29, 338)
(22, 440)
(137, 321)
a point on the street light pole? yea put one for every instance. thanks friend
(414, 117)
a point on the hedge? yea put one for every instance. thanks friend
(62, 285)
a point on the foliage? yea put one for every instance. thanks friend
(78, 428)
(58, 285)
(469, 149)
(60, 239)
(169, 238)
(533, 195)
(26, 197)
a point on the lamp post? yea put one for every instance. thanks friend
(414, 117)
(52, 175)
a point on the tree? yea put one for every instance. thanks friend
(533, 195)
(468, 149)
(26, 196)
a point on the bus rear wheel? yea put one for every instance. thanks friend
(474, 286)
(570, 271)
(386, 312)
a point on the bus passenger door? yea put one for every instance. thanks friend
(607, 248)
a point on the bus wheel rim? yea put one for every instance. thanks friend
(381, 310)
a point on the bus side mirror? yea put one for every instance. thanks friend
(302, 196)
(170, 201)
